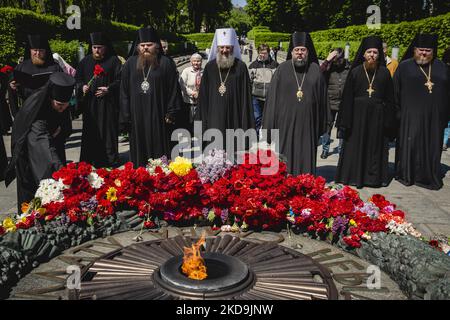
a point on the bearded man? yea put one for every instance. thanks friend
(225, 100)
(150, 98)
(422, 94)
(365, 118)
(99, 103)
(38, 59)
(297, 105)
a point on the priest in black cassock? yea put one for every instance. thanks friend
(225, 100)
(37, 125)
(99, 103)
(38, 58)
(297, 105)
(5, 115)
(422, 93)
(150, 98)
(3, 159)
(366, 118)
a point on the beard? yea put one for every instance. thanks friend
(422, 60)
(371, 66)
(300, 63)
(146, 59)
(224, 62)
(37, 61)
(98, 57)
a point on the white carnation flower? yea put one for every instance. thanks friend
(50, 191)
(95, 180)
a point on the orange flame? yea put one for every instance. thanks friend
(193, 263)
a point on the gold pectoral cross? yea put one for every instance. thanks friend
(370, 91)
(429, 85)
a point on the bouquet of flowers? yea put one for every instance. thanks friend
(215, 192)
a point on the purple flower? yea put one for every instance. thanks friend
(205, 212)
(169, 215)
(339, 225)
(224, 215)
(90, 205)
(164, 160)
(214, 166)
(370, 210)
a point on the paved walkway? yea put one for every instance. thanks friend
(428, 210)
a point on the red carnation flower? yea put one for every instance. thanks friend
(7, 69)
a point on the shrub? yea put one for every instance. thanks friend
(68, 50)
(400, 34)
(15, 24)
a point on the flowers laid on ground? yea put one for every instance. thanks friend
(50, 191)
(181, 166)
(216, 193)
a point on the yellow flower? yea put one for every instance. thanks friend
(111, 194)
(9, 225)
(181, 166)
(353, 223)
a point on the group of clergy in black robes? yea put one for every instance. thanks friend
(144, 97)
(413, 109)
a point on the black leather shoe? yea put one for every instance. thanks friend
(324, 154)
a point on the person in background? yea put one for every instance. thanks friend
(261, 71)
(391, 64)
(446, 60)
(67, 68)
(165, 47)
(38, 58)
(190, 80)
(335, 69)
(250, 52)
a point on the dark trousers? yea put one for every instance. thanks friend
(326, 138)
(258, 107)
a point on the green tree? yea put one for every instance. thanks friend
(279, 15)
(239, 20)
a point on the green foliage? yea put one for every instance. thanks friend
(15, 24)
(200, 40)
(313, 15)
(239, 20)
(400, 34)
(271, 38)
(279, 15)
(68, 50)
(257, 29)
(323, 48)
